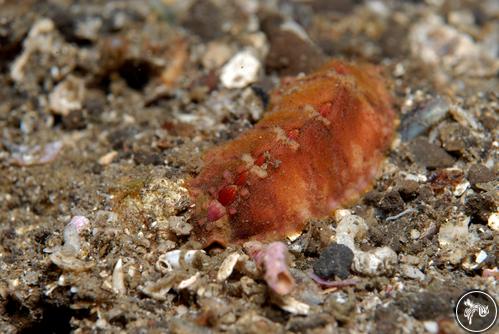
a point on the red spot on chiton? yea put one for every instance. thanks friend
(241, 178)
(325, 109)
(227, 195)
(260, 160)
(318, 147)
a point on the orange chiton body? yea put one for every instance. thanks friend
(318, 147)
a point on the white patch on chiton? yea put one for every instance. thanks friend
(259, 171)
(282, 137)
(314, 114)
(248, 159)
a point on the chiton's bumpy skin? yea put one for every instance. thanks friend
(318, 147)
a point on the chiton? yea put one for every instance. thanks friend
(317, 148)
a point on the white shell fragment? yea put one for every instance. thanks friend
(119, 278)
(375, 262)
(189, 281)
(493, 221)
(179, 225)
(227, 267)
(107, 158)
(160, 288)
(67, 96)
(241, 70)
(67, 261)
(409, 271)
(36, 155)
(455, 240)
(461, 188)
(72, 233)
(173, 260)
(293, 306)
(65, 256)
(39, 38)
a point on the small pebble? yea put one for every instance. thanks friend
(480, 174)
(411, 272)
(107, 158)
(420, 120)
(216, 55)
(335, 260)
(431, 326)
(67, 96)
(493, 221)
(430, 155)
(291, 50)
(241, 70)
(415, 234)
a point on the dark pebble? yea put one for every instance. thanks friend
(289, 53)
(97, 169)
(207, 18)
(335, 260)
(75, 120)
(391, 202)
(479, 206)
(206, 26)
(408, 190)
(480, 174)
(430, 155)
(302, 324)
(426, 305)
(387, 319)
(118, 138)
(455, 138)
(373, 197)
(147, 158)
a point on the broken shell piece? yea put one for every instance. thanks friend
(39, 38)
(409, 271)
(380, 261)
(273, 259)
(491, 273)
(67, 96)
(36, 155)
(227, 267)
(455, 240)
(189, 281)
(179, 225)
(67, 261)
(160, 288)
(293, 306)
(461, 188)
(475, 262)
(241, 70)
(420, 120)
(375, 262)
(340, 213)
(107, 158)
(72, 233)
(493, 221)
(349, 228)
(119, 278)
(65, 257)
(176, 258)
